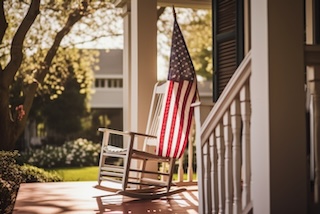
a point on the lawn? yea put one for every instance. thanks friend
(88, 174)
(78, 174)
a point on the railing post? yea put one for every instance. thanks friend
(228, 161)
(236, 127)
(246, 146)
(200, 162)
(180, 169)
(213, 175)
(190, 161)
(221, 167)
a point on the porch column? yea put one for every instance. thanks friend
(140, 60)
(126, 13)
(279, 183)
(143, 60)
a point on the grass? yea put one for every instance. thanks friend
(89, 174)
(185, 176)
(78, 174)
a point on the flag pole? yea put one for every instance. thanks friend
(174, 12)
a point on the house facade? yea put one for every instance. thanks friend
(107, 99)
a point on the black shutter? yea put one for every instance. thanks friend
(227, 41)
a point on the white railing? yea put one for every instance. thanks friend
(312, 60)
(186, 168)
(223, 148)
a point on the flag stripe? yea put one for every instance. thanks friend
(177, 118)
(164, 120)
(174, 105)
(181, 92)
(182, 124)
(186, 116)
(189, 122)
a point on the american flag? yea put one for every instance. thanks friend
(181, 92)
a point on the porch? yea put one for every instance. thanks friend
(254, 149)
(84, 197)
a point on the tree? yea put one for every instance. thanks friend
(61, 117)
(200, 27)
(29, 43)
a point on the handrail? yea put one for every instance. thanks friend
(233, 87)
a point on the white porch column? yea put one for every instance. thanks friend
(126, 9)
(278, 107)
(140, 60)
(143, 60)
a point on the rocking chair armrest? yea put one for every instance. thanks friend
(131, 135)
(113, 131)
(143, 134)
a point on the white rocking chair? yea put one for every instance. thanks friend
(166, 136)
(128, 166)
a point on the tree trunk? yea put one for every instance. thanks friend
(6, 124)
(11, 123)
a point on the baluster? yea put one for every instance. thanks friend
(180, 169)
(236, 127)
(246, 162)
(206, 168)
(221, 174)
(214, 196)
(190, 161)
(228, 160)
(202, 169)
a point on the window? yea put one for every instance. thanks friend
(108, 83)
(100, 83)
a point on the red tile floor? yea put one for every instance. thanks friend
(85, 198)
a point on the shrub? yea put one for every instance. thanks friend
(10, 179)
(34, 174)
(12, 174)
(78, 153)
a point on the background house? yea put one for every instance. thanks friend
(106, 101)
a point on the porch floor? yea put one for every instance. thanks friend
(85, 198)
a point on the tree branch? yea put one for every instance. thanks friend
(18, 39)
(3, 22)
(160, 11)
(30, 92)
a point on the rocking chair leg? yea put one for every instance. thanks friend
(142, 168)
(171, 169)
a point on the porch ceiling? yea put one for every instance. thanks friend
(196, 4)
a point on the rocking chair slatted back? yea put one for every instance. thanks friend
(154, 114)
